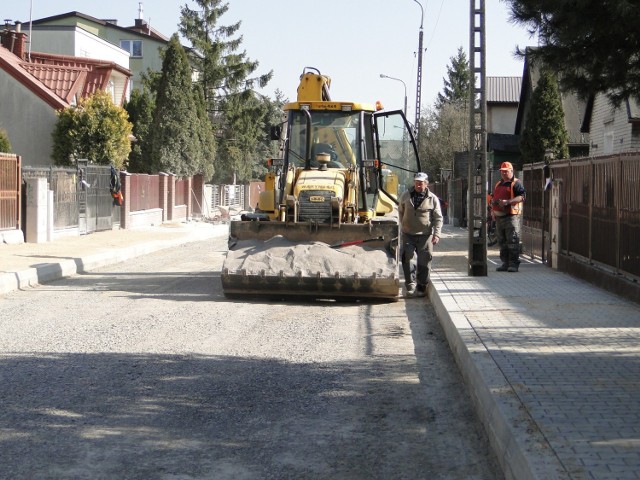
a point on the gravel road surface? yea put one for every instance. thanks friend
(144, 370)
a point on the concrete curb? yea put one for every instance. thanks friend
(48, 272)
(521, 448)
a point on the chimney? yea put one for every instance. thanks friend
(6, 34)
(140, 23)
(20, 41)
(14, 40)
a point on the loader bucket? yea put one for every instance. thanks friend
(275, 259)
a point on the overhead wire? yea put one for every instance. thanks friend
(433, 34)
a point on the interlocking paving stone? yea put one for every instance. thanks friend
(569, 351)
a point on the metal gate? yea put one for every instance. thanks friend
(227, 196)
(95, 203)
(536, 238)
(81, 197)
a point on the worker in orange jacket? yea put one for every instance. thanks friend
(508, 196)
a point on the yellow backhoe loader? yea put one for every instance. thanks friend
(326, 224)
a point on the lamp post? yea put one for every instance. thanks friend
(404, 134)
(419, 81)
(382, 75)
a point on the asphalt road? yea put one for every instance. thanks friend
(144, 370)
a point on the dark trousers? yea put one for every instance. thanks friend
(420, 244)
(508, 232)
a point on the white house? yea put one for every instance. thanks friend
(143, 43)
(612, 129)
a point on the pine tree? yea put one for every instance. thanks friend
(446, 126)
(268, 148)
(544, 128)
(457, 83)
(205, 135)
(244, 124)
(174, 147)
(225, 77)
(140, 109)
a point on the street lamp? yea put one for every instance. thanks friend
(404, 134)
(382, 75)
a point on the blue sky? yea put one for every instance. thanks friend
(352, 41)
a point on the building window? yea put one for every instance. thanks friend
(134, 47)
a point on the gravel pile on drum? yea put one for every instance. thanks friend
(280, 255)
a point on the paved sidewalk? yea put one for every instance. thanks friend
(552, 364)
(26, 264)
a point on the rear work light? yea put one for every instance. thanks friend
(370, 163)
(275, 162)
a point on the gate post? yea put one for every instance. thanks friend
(189, 200)
(556, 216)
(198, 195)
(171, 196)
(37, 210)
(164, 194)
(125, 209)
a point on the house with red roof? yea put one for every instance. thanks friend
(35, 85)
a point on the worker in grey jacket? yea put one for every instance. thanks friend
(421, 223)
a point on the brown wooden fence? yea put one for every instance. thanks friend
(182, 191)
(600, 208)
(149, 191)
(10, 190)
(145, 192)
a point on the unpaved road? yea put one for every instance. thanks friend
(145, 371)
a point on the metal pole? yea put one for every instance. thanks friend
(477, 183)
(30, 28)
(419, 79)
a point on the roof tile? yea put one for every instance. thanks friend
(63, 81)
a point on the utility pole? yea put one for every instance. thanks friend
(477, 184)
(419, 80)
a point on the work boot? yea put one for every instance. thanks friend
(503, 268)
(411, 288)
(512, 269)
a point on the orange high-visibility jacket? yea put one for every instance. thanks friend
(505, 192)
